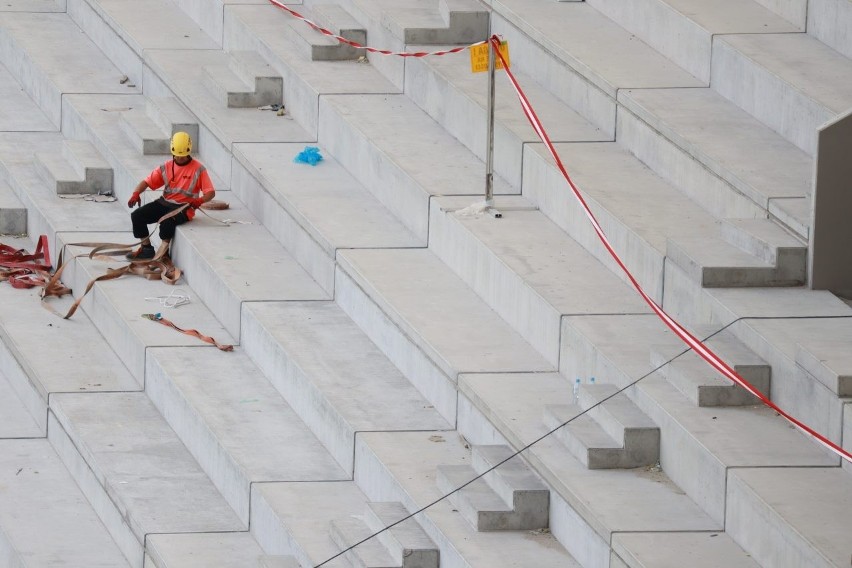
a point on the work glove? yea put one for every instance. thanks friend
(196, 203)
(134, 200)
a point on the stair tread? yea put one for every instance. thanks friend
(15, 421)
(348, 531)
(445, 317)
(34, 481)
(830, 362)
(478, 495)
(669, 550)
(222, 550)
(715, 252)
(142, 464)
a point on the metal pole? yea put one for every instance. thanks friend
(489, 154)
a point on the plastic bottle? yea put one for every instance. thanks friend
(577, 391)
(591, 380)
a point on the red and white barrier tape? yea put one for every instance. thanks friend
(357, 45)
(702, 350)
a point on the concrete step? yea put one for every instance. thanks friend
(293, 519)
(637, 209)
(80, 169)
(317, 46)
(779, 515)
(50, 56)
(702, 384)
(767, 240)
(698, 445)
(171, 116)
(582, 56)
(313, 211)
(230, 265)
(237, 427)
(334, 377)
(13, 214)
(457, 99)
(35, 373)
(150, 129)
(403, 156)
(272, 33)
(406, 541)
(370, 554)
(583, 437)
(830, 21)
(34, 481)
(422, 316)
(830, 363)
(668, 550)
(219, 550)
(247, 82)
(794, 11)
(714, 263)
(134, 470)
(797, 83)
(483, 507)
(116, 307)
(144, 134)
(445, 22)
(690, 26)
(724, 159)
(21, 113)
(383, 470)
(525, 268)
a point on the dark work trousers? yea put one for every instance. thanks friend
(151, 213)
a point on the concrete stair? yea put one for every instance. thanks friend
(611, 433)
(134, 470)
(317, 46)
(830, 21)
(702, 384)
(247, 82)
(830, 363)
(13, 215)
(700, 549)
(510, 497)
(17, 422)
(80, 169)
(405, 545)
(690, 26)
(150, 131)
(224, 550)
(35, 482)
(333, 376)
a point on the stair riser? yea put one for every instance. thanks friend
(708, 184)
(13, 221)
(18, 378)
(830, 21)
(794, 12)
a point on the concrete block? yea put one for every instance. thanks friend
(237, 427)
(791, 516)
(512, 479)
(145, 135)
(369, 553)
(407, 542)
(795, 83)
(317, 46)
(767, 240)
(247, 82)
(13, 214)
(457, 22)
(80, 169)
(317, 359)
(34, 482)
(171, 116)
(223, 550)
(477, 502)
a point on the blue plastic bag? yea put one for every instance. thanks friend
(310, 155)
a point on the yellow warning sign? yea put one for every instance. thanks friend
(479, 57)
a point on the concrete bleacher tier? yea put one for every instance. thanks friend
(392, 340)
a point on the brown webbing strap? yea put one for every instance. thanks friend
(193, 332)
(158, 268)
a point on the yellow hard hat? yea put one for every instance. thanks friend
(181, 144)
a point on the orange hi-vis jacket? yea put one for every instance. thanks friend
(181, 184)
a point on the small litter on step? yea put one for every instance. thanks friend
(310, 155)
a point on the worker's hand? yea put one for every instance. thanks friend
(134, 200)
(196, 203)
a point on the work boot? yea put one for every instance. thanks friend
(144, 252)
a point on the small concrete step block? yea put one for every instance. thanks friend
(407, 543)
(171, 116)
(144, 135)
(714, 263)
(80, 169)
(222, 550)
(583, 437)
(465, 21)
(336, 19)
(766, 240)
(830, 362)
(369, 554)
(623, 421)
(514, 481)
(13, 214)
(702, 384)
(477, 502)
(248, 81)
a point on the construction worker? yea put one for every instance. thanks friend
(184, 181)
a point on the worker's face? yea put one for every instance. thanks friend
(182, 160)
